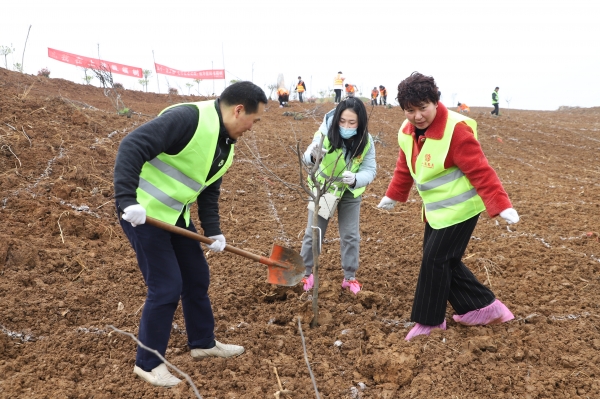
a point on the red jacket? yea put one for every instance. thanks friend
(465, 153)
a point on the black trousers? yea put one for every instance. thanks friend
(338, 95)
(495, 111)
(300, 96)
(445, 278)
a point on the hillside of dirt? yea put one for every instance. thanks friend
(67, 272)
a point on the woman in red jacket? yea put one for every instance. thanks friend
(439, 151)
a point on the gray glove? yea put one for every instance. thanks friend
(315, 153)
(387, 203)
(135, 214)
(510, 215)
(219, 244)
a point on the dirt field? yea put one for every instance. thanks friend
(67, 271)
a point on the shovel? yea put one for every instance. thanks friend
(284, 266)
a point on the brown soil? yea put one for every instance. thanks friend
(68, 272)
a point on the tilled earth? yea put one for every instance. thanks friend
(68, 272)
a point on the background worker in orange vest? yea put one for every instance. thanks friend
(338, 85)
(350, 90)
(300, 88)
(283, 96)
(463, 108)
(382, 95)
(374, 94)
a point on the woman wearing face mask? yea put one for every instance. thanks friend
(348, 156)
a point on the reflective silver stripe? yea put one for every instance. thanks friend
(160, 195)
(322, 174)
(434, 206)
(457, 174)
(176, 174)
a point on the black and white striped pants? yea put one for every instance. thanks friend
(444, 277)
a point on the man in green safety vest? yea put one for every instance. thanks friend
(495, 101)
(162, 168)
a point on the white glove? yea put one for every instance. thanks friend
(510, 215)
(349, 178)
(219, 244)
(316, 154)
(135, 214)
(387, 203)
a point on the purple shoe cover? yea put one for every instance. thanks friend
(495, 313)
(421, 329)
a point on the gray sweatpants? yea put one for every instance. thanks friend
(348, 213)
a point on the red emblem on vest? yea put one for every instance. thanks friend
(427, 162)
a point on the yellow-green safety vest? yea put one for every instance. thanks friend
(495, 97)
(331, 161)
(169, 184)
(448, 196)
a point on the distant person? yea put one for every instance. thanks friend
(300, 88)
(495, 101)
(382, 95)
(161, 169)
(338, 86)
(350, 90)
(347, 156)
(283, 96)
(441, 156)
(374, 95)
(463, 108)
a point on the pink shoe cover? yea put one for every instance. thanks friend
(421, 329)
(495, 313)
(352, 285)
(308, 282)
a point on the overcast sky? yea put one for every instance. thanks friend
(542, 54)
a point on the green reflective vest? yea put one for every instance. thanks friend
(448, 196)
(169, 184)
(495, 97)
(332, 166)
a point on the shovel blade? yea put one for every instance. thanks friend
(293, 267)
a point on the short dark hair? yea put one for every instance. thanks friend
(246, 93)
(417, 89)
(497, 88)
(299, 77)
(362, 134)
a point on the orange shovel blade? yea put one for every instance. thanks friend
(288, 267)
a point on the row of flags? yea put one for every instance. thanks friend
(121, 69)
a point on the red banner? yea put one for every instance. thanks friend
(95, 63)
(207, 74)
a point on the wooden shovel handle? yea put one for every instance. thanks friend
(198, 237)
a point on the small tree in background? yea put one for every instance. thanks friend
(87, 78)
(44, 72)
(173, 91)
(271, 87)
(144, 82)
(5, 51)
(18, 67)
(118, 86)
(189, 86)
(198, 83)
(104, 75)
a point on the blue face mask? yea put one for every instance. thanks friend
(346, 133)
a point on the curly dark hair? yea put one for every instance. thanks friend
(416, 90)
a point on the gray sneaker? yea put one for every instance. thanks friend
(219, 350)
(160, 376)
